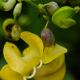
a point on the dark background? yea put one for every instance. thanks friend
(68, 38)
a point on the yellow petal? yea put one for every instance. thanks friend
(8, 74)
(52, 52)
(33, 40)
(25, 51)
(51, 67)
(58, 75)
(31, 56)
(23, 65)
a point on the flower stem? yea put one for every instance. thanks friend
(35, 5)
(77, 8)
(30, 2)
(15, 17)
(46, 24)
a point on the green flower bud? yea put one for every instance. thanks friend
(62, 17)
(8, 5)
(7, 24)
(15, 34)
(11, 29)
(52, 7)
(17, 10)
(47, 37)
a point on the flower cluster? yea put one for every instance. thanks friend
(43, 59)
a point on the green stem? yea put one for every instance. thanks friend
(35, 5)
(15, 17)
(77, 10)
(44, 11)
(46, 24)
(47, 4)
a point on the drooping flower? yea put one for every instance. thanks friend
(23, 65)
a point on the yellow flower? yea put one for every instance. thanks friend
(23, 65)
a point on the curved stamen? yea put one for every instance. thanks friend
(39, 64)
(34, 71)
(31, 76)
(24, 78)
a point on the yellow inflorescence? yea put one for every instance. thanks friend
(20, 66)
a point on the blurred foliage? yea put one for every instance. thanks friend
(68, 38)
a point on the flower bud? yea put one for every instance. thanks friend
(8, 5)
(47, 37)
(15, 34)
(62, 17)
(17, 10)
(52, 7)
(11, 29)
(7, 24)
